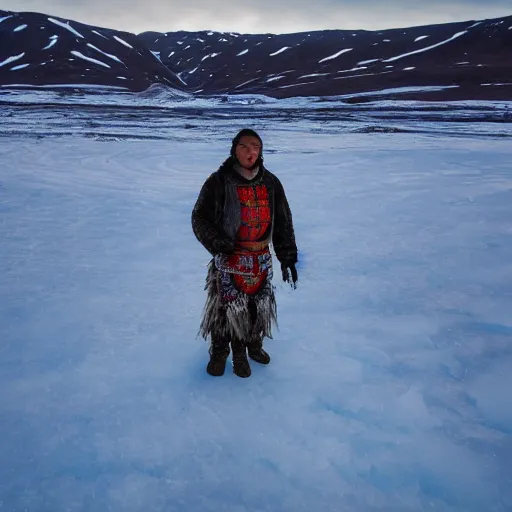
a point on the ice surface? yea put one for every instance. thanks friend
(389, 385)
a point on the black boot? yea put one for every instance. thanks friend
(241, 366)
(219, 352)
(256, 352)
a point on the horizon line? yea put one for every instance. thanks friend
(259, 33)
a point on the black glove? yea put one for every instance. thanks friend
(223, 246)
(287, 269)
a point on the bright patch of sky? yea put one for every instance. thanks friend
(67, 26)
(267, 16)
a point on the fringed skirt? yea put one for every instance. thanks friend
(234, 284)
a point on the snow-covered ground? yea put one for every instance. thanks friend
(389, 388)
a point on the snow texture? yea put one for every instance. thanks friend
(13, 58)
(122, 41)
(281, 50)
(391, 371)
(109, 55)
(90, 59)
(53, 41)
(21, 66)
(421, 50)
(341, 52)
(67, 26)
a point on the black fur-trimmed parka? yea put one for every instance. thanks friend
(215, 224)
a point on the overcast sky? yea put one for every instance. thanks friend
(263, 16)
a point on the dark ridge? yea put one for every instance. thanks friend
(443, 62)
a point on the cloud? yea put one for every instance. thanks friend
(265, 16)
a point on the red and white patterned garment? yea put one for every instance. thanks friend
(247, 269)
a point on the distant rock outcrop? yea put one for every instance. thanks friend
(37, 49)
(451, 61)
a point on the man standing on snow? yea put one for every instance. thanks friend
(241, 209)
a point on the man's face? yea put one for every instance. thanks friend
(247, 151)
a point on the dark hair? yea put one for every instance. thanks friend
(246, 132)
